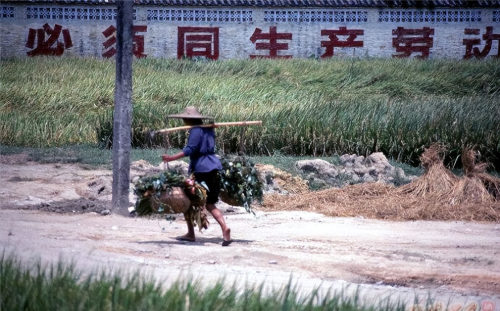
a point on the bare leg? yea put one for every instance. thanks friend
(226, 232)
(190, 235)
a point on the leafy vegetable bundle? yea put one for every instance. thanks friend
(239, 181)
(240, 184)
(151, 189)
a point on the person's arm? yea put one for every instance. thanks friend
(194, 139)
(177, 156)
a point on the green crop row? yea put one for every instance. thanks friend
(61, 286)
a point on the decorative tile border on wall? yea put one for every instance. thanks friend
(441, 16)
(200, 15)
(7, 11)
(72, 13)
(330, 16)
(496, 16)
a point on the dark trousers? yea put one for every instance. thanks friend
(212, 180)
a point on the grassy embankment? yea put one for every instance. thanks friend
(308, 107)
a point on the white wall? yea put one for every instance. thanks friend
(234, 39)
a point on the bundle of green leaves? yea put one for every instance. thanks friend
(240, 184)
(158, 183)
(153, 185)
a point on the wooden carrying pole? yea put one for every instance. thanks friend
(187, 127)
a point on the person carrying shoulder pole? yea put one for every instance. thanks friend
(204, 165)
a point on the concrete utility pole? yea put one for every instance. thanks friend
(122, 117)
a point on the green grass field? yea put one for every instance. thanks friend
(308, 107)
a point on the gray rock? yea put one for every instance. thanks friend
(346, 158)
(373, 171)
(355, 179)
(376, 157)
(317, 166)
(368, 178)
(360, 171)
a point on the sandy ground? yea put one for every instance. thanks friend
(53, 211)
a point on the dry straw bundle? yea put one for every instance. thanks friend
(436, 195)
(478, 172)
(437, 181)
(471, 188)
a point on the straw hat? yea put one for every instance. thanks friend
(190, 113)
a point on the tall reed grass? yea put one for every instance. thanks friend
(61, 286)
(308, 107)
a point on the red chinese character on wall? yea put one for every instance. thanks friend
(273, 46)
(410, 41)
(50, 47)
(488, 37)
(336, 42)
(137, 41)
(198, 41)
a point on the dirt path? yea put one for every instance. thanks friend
(454, 261)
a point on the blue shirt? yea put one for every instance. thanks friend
(201, 150)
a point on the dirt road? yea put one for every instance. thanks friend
(458, 263)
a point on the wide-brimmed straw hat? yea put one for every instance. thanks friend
(190, 113)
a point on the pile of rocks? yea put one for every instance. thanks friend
(352, 169)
